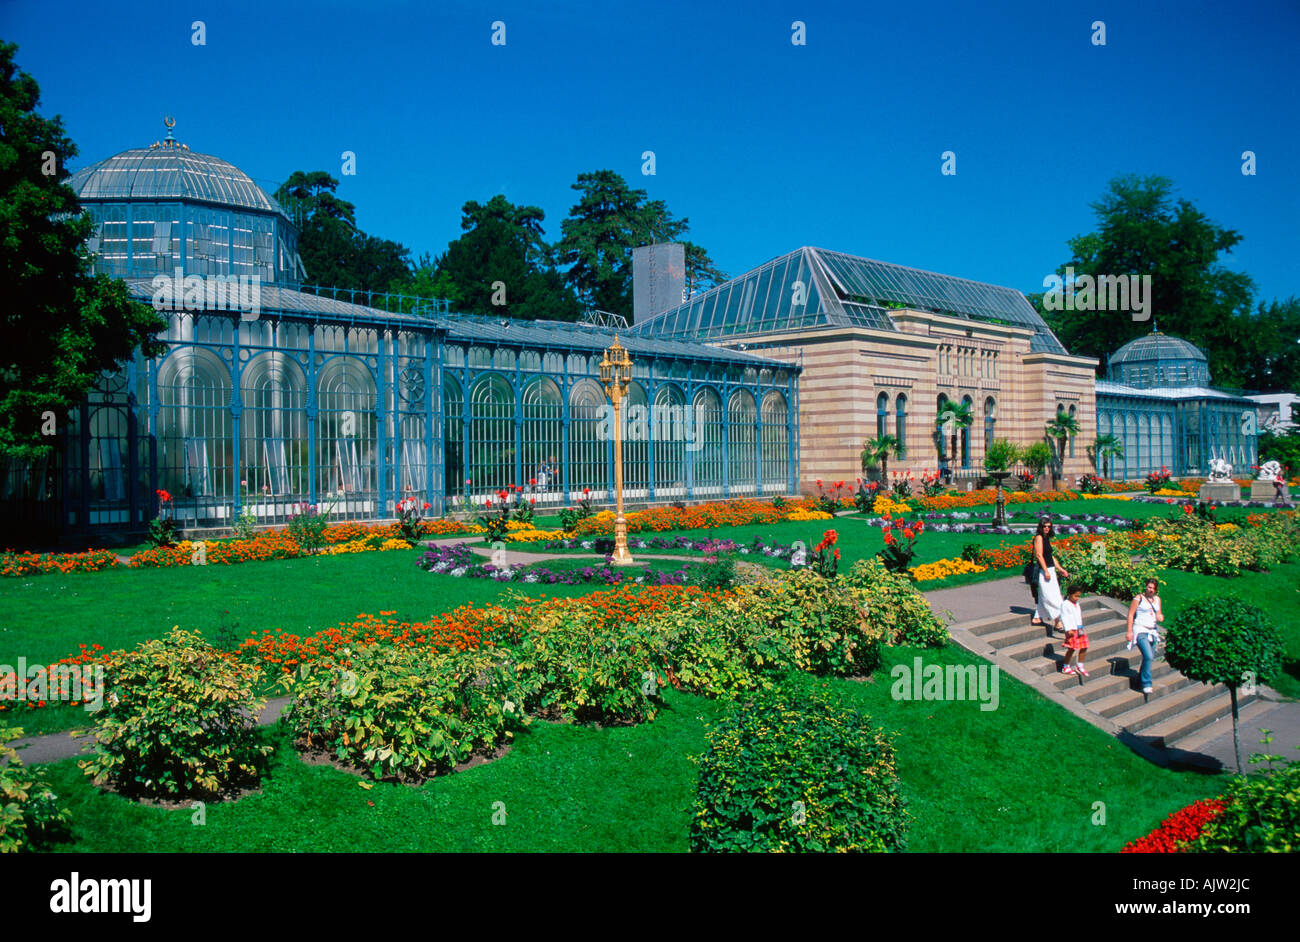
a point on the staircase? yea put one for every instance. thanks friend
(1165, 725)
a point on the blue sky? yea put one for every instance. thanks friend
(764, 145)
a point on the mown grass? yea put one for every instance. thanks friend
(1023, 777)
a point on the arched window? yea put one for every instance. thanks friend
(742, 441)
(882, 415)
(347, 433)
(776, 442)
(708, 443)
(900, 424)
(273, 450)
(453, 437)
(990, 421)
(943, 438)
(1072, 437)
(965, 435)
(543, 437)
(589, 446)
(636, 443)
(491, 435)
(668, 429)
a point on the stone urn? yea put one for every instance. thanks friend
(1000, 517)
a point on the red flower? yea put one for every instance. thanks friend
(426, 505)
(889, 538)
(164, 496)
(909, 534)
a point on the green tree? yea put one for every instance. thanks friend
(60, 326)
(1062, 428)
(877, 451)
(597, 238)
(334, 251)
(701, 272)
(1143, 230)
(1104, 449)
(503, 255)
(1220, 639)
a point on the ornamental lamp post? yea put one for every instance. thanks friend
(616, 374)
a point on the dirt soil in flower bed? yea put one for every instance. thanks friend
(225, 796)
(312, 755)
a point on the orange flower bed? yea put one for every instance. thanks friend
(464, 628)
(14, 563)
(988, 496)
(276, 544)
(730, 513)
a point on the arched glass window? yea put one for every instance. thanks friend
(347, 433)
(900, 424)
(1072, 437)
(965, 435)
(742, 441)
(990, 421)
(941, 436)
(491, 463)
(589, 445)
(668, 430)
(636, 443)
(775, 442)
(708, 456)
(273, 427)
(882, 415)
(453, 437)
(543, 438)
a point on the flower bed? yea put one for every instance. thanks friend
(14, 563)
(460, 561)
(989, 496)
(943, 568)
(732, 513)
(88, 656)
(1177, 830)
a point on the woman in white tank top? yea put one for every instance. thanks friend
(1143, 614)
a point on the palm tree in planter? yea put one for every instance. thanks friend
(1061, 428)
(999, 456)
(1036, 458)
(878, 451)
(952, 418)
(1104, 449)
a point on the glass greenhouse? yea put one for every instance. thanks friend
(314, 398)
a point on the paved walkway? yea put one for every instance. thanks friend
(1211, 747)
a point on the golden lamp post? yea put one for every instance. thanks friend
(616, 373)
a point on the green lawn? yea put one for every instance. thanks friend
(1023, 777)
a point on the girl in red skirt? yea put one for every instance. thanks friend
(1076, 640)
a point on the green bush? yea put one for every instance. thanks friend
(828, 614)
(1261, 814)
(1192, 543)
(791, 771)
(722, 646)
(719, 573)
(1106, 568)
(403, 712)
(575, 663)
(178, 721)
(896, 610)
(30, 817)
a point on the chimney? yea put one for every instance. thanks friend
(658, 279)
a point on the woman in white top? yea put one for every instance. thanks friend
(1076, 639)
(1143, 614)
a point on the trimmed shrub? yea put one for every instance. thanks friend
(830, 616)
(791, 771)
(178, 721)
(573, 662)
(1261, 814)
(30, 817)
(896, 611)
(406, 713)
(1105, 567)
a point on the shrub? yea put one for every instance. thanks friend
(307, 526)
(30, 817)
(573, 662)
(895, 609)
(971, 552)
(410, 522)
(1194, 544)
(836, 633)
(1105, 567)
(406, 712)
(177, 720)
(162, 528)
(791, 771)
(1001, 454)
(900, 544)
(714, 573)
(1261, 814)
(1223, 640)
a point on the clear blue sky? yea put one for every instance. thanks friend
(764, 145)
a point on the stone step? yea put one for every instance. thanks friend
(1150, 713)
(1130, 696)
(1043, 654)
(995, 623)
(1101, 629)
(1169, 731)
(1109, 676)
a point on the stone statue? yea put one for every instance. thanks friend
(1270, 471)
(1220, 471)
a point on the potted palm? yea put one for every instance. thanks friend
(999, 456)
(1036, 458)
(876, 452)
(1061, 429)
(952, 418)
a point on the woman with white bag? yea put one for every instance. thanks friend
(1143, 614)
(1049, 577)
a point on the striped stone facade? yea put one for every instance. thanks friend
(846, 370)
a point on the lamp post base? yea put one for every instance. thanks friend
(620, 556)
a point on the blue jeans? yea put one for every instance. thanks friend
(1148, 656)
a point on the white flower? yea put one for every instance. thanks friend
(508, 706)
(458, 571)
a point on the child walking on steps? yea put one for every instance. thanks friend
(1076, 640)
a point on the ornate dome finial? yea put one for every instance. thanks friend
(169, 142)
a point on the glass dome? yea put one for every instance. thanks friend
(164, 207)
(1158, 360)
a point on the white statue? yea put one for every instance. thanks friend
(1270, 471)
(1220, 471)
